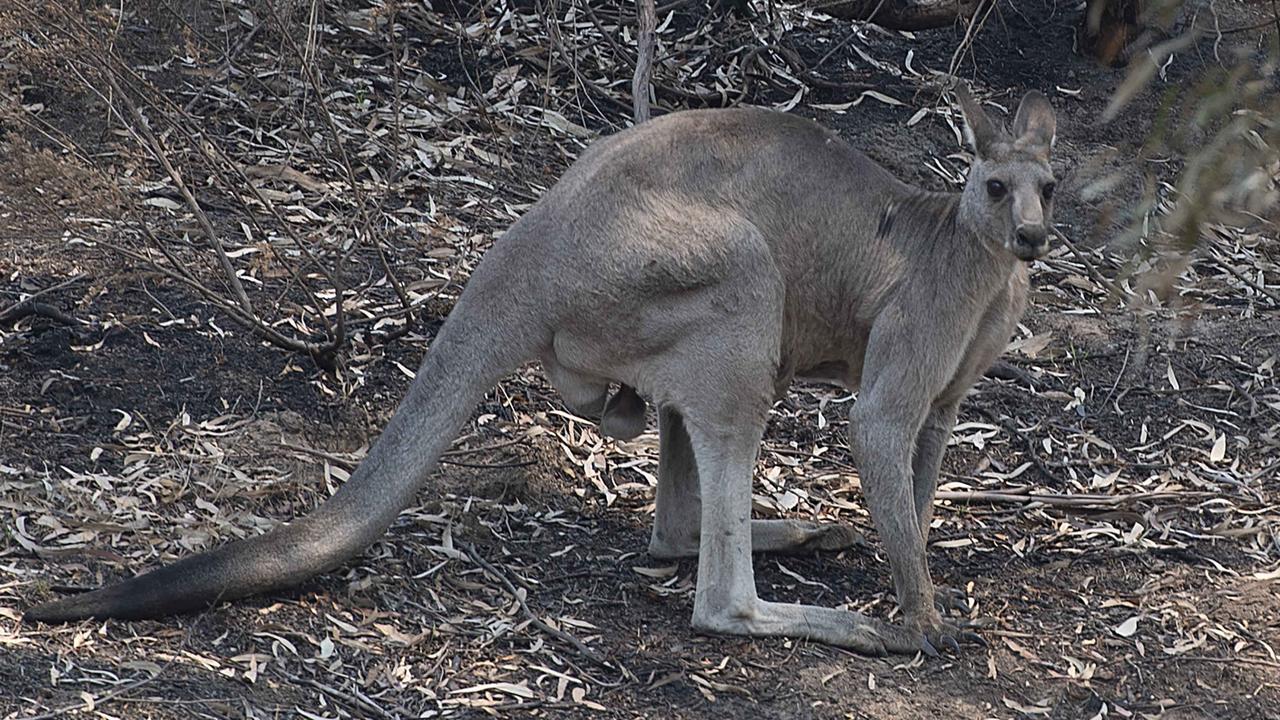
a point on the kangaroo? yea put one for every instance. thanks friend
(705, 259)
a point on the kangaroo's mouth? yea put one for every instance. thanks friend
(1029, 253)
(1028, 247)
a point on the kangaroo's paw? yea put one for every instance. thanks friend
(802, 536)
(833, 538)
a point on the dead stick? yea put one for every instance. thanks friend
(646, 39)
(1245, 278)
(142, 128)
(354, 702)
(1054, 500)
(103, 699)
(1090, 267)
(538, 622)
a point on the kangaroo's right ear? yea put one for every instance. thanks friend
(1036, 123)
(979, 130)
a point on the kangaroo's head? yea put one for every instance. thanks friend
(1008, 197)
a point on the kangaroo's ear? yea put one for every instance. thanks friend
(979, 130)
(1036, 123)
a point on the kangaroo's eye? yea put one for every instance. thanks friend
(996, 189)
(1047, 190)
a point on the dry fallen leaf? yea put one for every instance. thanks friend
(1128, 627)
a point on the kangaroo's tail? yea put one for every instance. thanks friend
(491, 331)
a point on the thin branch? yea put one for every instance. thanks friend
(1090, 268)
(142, 130)
(646, 39)
(103, 699)
(1275, 298)
(1056, 500)
(538, 622)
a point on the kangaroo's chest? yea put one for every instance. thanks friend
(835, 354)
(991, 335)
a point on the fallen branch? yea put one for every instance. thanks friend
(1090, 268)
(1222, 263)
(358, 702)
(1056, 500)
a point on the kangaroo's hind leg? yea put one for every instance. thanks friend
(724, 432)
(931, 443)
(678, 510)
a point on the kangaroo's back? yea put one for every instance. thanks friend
(767, 165)
(810, 193)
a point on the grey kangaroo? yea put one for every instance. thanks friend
(705, 259)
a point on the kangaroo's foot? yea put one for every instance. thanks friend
(768, 536)
(842, 628)
(935, 633)
(947, 598)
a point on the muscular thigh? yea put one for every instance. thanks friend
(664, 312)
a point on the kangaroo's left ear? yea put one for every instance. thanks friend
(1035, 123)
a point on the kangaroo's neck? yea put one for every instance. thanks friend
(923, 219)
(936, 226)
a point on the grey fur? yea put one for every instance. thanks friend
(705, 259)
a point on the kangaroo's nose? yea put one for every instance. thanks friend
(1031, 236)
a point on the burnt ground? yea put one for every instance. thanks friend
(1110, 512)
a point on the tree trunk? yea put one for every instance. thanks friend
(900, 14)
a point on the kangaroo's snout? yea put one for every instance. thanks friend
(1030, 241)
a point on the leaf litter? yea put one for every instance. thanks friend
(1108, 506)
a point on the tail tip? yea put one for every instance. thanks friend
(54, 611)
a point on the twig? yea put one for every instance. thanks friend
(488, 466)
(1056, 500)
(323, 352)
(1013, 431)
(252, 323)
(646, 39)
(1089, 267)
(825, 457)
(970, 35)
(1275, 298)
(217, 159)
(538, 622)
(349, 464)
(142, 127)
(101, 699)
(1233, 659)
(353, 701)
